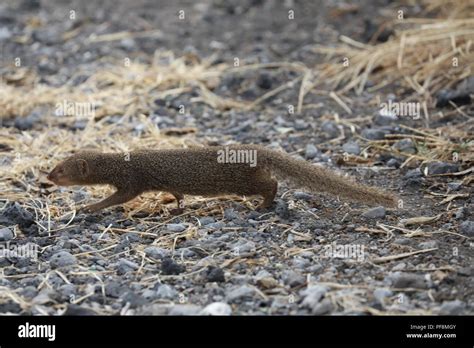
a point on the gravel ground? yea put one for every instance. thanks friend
(221, 256)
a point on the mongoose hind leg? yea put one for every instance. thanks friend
(268, 191)
(179, 201)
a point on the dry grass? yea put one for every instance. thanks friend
(448, 144)
(126, 89)
(423, 56)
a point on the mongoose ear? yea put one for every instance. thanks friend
(83, 168)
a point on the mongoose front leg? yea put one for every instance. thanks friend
(270, 190)
(119, 197)
(179, 201)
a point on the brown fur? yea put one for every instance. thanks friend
(197, 171)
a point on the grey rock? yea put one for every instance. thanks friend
(230, 214)
(154, 309)
(29, 292)
(240, 292)
(149, 294)
(428, 245)
(47, 66)
(310, 151)
(215, 274)
(216, 225)
(380, 294)
(166, 292)
(374, 133)
(313, 295)
(129, 264)
(265, 80)
(133, 299)
(14, 214)
(375, 213)
(76, 310)
(459, 96)
(45, 296)
(301, 125)
(185, 309)
(131, 237)
(316, 268)
(413, 173)
(466, 271)
(460, 213)
(408, 280)
(50, 35)
(324, 307)
(393, 163)
(399, 266)
(176, 227)
(300, 263)
(330, 128)
(5, 34)
(206, 220)
(442, 168)
(114, 289)
(169, 267)
(281, 209)
(217, 308)
(156, 252)
(351, 147)
(185, 252)
(263, 274)
(405, 145)
(128, 44)
(6, 234)
(293, 278)
(467, 228)
(455, 307)
(412, 183)
(243, 246)
(280, 302)
(67, 290)
(384, 120)
(303, 196)
(455, 185)
(62, 259)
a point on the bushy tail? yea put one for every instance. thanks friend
(319, 179)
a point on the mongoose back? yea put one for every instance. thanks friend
(207, 171)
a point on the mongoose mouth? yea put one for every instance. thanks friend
(57, 179)
(51, 177)
(61, 181)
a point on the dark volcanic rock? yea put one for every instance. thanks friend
(169, 266)
(442, 168)
(14, 214)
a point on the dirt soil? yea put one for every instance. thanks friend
(172, 74)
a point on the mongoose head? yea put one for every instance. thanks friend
(72, 171)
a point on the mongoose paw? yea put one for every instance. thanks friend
(177, 211)
(266, 207)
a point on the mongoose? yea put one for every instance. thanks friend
(207, 171)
